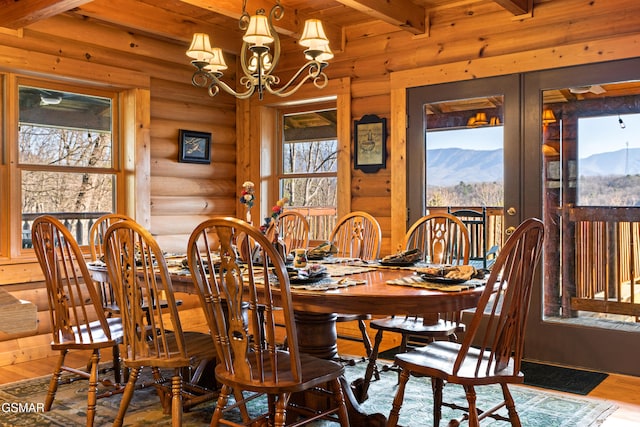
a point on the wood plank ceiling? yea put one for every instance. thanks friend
(178, 19)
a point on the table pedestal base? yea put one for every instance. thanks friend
(317, 336)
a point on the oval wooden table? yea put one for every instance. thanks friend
(315, 314)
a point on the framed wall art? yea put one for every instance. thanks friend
(370, 143)
(195, 147)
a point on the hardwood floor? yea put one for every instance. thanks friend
(623, 390)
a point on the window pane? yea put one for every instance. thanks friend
(465, 155)
(315, 198)
(50, 192)
(609, 161)
(310, 192)
(76, 199)
(64, 129)
(64, 147)
(310, 157)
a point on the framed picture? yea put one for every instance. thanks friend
(370, 140)
(195, 147)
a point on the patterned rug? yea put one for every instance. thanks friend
(21, 402)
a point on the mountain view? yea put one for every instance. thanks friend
(450, 166)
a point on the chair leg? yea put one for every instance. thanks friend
(92, 392)
(280, 415)
(473, 410)
(55, 379)
(371, 368)
(117, 365)
(511, 406)
(241, 405)
(437, 385)
(126, 396)
(394, 415)
(338, 398)
(223, 398)
(176, 399)
(365, 339)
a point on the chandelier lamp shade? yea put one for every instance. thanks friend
(259, 57)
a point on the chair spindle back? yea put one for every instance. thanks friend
(226, 286)
(442, 238)
(357, 235)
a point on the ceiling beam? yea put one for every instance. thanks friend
(517, 7)
(291, 24)
(19, 14)
(402, 13)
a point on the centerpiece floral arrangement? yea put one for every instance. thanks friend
(272, 220)
(248, 197)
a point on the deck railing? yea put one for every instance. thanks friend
(321, 221)
(79, 223)
(607, 260)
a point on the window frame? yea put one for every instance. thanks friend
(11, 242)
(280, 141)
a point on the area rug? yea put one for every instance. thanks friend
(536, 408)
(577, 381)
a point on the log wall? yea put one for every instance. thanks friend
(181, 194)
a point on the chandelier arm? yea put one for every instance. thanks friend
(258, 61)
(319, 78)
(214, 84)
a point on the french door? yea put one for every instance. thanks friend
(533, 145)
(463, 149)
(584, 123)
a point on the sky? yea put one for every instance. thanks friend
(596, 135)
(604, 134)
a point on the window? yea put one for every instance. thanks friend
(66, 156)
(308, 167)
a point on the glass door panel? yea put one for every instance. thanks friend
(591, 154)
(582, 123)
(464, 153)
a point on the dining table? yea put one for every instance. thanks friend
(359, 287)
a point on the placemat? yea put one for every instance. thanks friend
(418, 282)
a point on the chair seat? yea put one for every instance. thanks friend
(412, 325)
(438, 358)
(92, 336)
(315, 371)
(199, 348)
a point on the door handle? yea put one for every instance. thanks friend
(511, 211)
(509, 231)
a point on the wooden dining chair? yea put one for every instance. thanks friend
(96, 247)
(443, 239)
(77, 319)
(294, 230)
(246, 366)
(153, 336)
(480, 255)
(357, 235)
(491, 351)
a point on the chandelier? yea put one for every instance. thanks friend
(259, 57)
